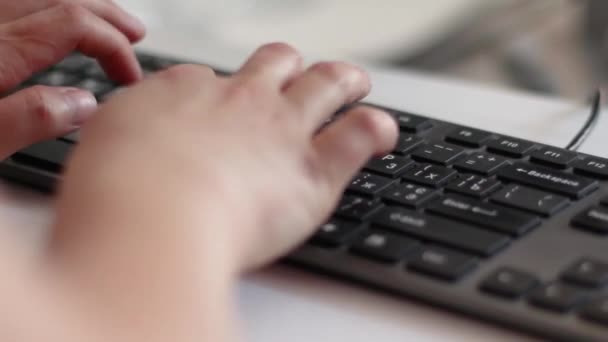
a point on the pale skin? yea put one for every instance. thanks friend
(202, 178)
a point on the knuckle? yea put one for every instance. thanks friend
(241, 92)
(73, 13)
(340, 73)
(36, 104)
(373, 123)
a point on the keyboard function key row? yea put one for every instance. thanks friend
(511, 147)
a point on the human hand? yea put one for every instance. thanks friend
(129, 25)
(35, 34)
(231, 163)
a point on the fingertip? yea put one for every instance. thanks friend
(82, 104)
(136, 29)
(123, 67)
(379, 126)
(274, 65)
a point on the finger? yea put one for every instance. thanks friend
(128, 24)
(133, 28)
(37, 41)
(324, 88)
(273, 65)
(41, 113)
(347, 144)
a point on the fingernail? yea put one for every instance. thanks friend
(82, 105)
(139, 23)
(139, 27)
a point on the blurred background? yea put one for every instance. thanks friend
(552, 47)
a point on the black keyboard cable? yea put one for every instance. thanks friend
(589, 125)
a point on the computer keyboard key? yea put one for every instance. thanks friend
(592, 167)
(146, 60)
(468, 136)
(594, 219)
(432, 175)
(587, 272)
(510, 283)
(368, 184)
(384, 246)
(408, 194)
(535, 201)
(440, 153)
(448, 222)
(442, 263)
(75, 63)
(482, 163)
(549, 179)
(336, 232)
(441, 231)
(96, 87)
(96, 71)
(472, 185)
(597, 311)
(410, 122)
(407, 142)
(484, 214)
(557, 297)
(357, 208)
(390, 165)
(510, 147)
(553, 157)
(55, 79)
(71, 138)
(48, 155)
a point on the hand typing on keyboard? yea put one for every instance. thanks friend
(36, 34)
(241, 151)
(179, 184)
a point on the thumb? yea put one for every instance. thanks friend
(40, 113)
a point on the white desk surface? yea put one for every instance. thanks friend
(286, 304)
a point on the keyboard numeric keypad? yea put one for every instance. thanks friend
(468, 136)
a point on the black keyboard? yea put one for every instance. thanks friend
(504, 229)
